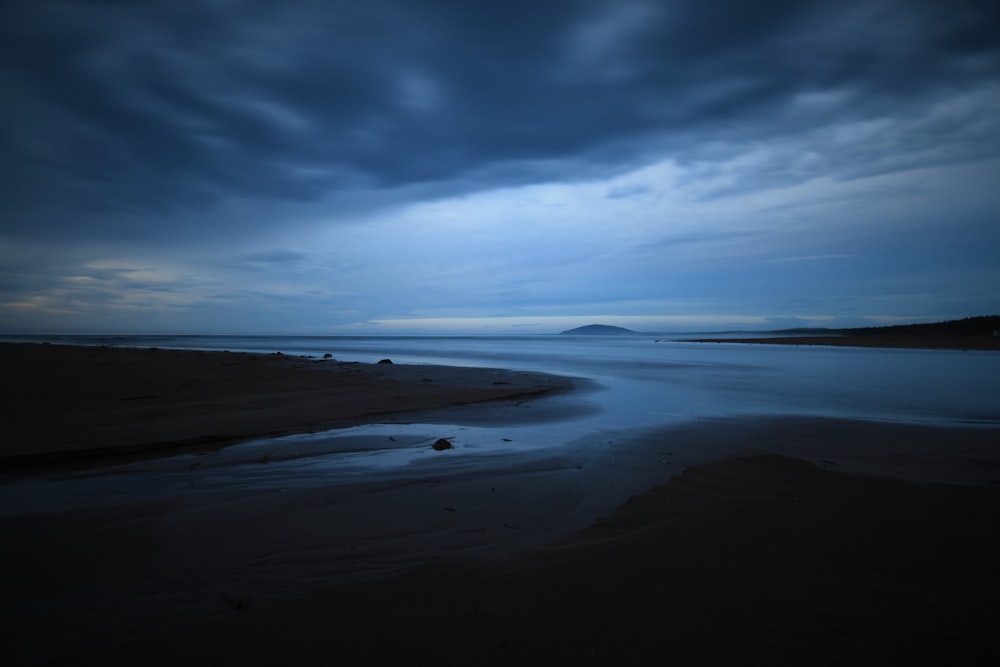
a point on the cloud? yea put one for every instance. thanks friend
(131, 114)
(809, 258)
(356, 160)
(283, 257)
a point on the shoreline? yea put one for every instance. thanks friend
(925, 342)
(759, 558)
(766, 542)
(713, 539)
(80, 405)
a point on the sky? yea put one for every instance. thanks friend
(463, 166)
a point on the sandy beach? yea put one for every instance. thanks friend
(70, 405)
(804, 545)
(750, 561)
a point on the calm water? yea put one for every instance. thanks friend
(640, 384)
(377, 499)
(646, 382)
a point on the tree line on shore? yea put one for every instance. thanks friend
(981, 325)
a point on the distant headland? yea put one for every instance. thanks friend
(599, 330)
(971, 333)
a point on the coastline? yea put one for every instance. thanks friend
(740, 550)
(928, 342)
(750, 560)
(77, 405)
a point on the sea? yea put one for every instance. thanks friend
(270, 519)
(653, 379)
(628, 387)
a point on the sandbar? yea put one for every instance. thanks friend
(71, 405)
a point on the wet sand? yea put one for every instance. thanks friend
(759, 558)
(929, 342)
(70, 405)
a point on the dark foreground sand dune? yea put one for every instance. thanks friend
(752, 561)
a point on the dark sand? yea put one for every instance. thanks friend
(69, 404)
(929, 342)
(750, 561)
(757, 559)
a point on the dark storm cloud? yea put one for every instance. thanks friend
(130, 118)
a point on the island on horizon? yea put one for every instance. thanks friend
(599, 330)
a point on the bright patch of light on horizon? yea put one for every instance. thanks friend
(547, 324)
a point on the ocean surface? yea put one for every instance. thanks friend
(634, 385)
(645, 380)
(275, 518)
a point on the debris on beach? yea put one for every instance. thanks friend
(442, 444)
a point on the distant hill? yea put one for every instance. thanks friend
(971, 333)
(599, 330)
(983, 325)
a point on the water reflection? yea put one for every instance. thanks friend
(640, 384)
